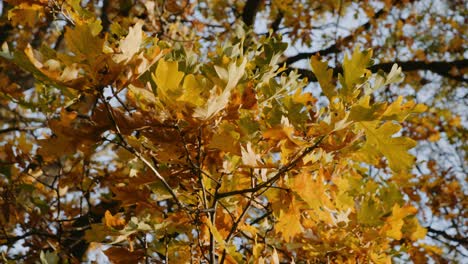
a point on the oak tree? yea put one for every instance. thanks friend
(233, 131)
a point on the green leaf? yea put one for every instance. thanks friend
(380, 141)
(369, 213)
(83, 41)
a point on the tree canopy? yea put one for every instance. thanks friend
(228, 131)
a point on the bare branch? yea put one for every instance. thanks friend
(250, 11)
(335, 48)
(272, 180)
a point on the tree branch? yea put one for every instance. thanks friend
(272, 180)
(442, 68)
(250, 11)
(137, 154)
(462, 241)
(19, 129)
(277, 22)
(336, 47)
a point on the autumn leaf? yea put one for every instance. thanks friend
(223, 245)
(226, 138)
(121, 255)
(311, 188)
(354, 69)
(193, 91)
(131, 44)
(218, 100)
(167, 78)
(83, 41)
(289, 224)
(395, 222)
(324, 76)
(370, 213)
(113, 221)
(399, 111)
(381, 258)
(381, 141)
(215, 103)
(26, 14)
(416, 230)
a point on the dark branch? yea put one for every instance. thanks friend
(442, 68)
(461, 240)
(276, 177)
(277, 22)
(335, 48)
(250, 11)
(104, 16)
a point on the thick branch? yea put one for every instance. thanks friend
(277, 22)
(104, 16)
(442, 68)
(335, 48)
(250, 11)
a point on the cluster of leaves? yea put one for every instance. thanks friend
(138, 146)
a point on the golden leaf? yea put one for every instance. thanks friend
(113, 221)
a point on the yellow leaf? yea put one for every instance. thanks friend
(369, 213)
(26, 14)
(399, 112)
(381, 258)
(432, 248)
(353, 70)
(303, 184)
(324, 76)
(216, 102)
(168, 77)
(249, 157)
(343, 200)
(418, 232)
(144, 97)
(363, 111)
(230, 249)
(226, 138)
(289, 224)
(233, 74)
(130, 45)
(192, 91)
(395, 222)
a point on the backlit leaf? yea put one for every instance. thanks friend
(381, 141)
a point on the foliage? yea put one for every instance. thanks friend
(153, 139)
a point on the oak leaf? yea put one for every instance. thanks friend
(381, 141)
